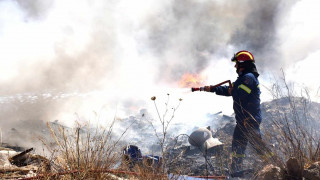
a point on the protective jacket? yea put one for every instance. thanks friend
(246, 98)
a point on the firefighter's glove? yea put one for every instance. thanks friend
(207, 88)
(212, 89)
(230, 90)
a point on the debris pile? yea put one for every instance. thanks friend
(197, 159)
(313, 171)
(14, 165)
(132, 156)
(192, 160)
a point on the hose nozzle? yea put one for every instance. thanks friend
(197, 89)
(212, 86)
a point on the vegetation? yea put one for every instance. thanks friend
(165, 122)
(290, 128)
(82, 153)
(294, 127)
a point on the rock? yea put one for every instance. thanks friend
(313, 172)
(294, 168)
(269, 172)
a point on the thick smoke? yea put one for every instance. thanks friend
(81, 58)
(186, 34)
(258, 32)
(181, 36)
(93, 55)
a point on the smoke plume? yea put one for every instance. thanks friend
(60, 58)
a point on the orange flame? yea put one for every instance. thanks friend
(191, 80)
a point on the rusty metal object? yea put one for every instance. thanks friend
(19, 159)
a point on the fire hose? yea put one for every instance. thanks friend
(212, 86)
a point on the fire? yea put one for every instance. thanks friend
(191, 80)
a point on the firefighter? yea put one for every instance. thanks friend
(245, 92)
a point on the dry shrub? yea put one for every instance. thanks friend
(294, 125)
(82, 152)
(162, 135)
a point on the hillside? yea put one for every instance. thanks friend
(289, 127)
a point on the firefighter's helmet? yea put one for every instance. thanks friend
(242, 56)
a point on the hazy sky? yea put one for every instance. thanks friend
(111, 56)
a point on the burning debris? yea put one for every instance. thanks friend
(191, 80)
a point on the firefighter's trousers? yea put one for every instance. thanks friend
(244, 133)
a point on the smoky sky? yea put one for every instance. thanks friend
(197, 30)
(67, 70)
(182, 36)
(35, 9)
(188, 28)
(259, 32)
(172, 37)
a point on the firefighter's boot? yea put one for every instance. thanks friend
(236, 165)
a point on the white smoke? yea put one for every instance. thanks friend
(110, 57)
(299, 45)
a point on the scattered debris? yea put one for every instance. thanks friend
(20, 159)
(312, 172)
(17, 162)
(131, 156)
(14, 165)
(202, 138)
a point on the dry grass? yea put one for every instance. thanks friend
(82, 153)
(294, 127)
(79, 154)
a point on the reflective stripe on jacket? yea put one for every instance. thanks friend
(246, 98)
